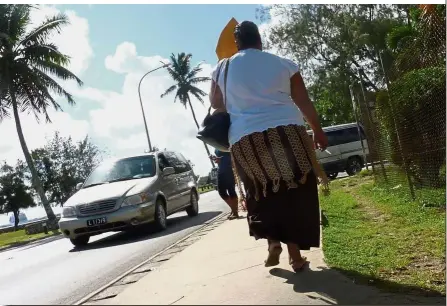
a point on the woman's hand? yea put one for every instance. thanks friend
(320, 140)
(214, 158)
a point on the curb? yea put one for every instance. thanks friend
(132, 275)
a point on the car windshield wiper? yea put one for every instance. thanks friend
(121, 179)
(91, 185)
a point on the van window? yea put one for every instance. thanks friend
(349, 135)
(343, 136)
(185, 166)
(162, 162)
(177, 161)
(332, 138)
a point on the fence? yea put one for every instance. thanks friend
(405, 122)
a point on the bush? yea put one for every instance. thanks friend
(418, 107)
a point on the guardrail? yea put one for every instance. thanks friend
(207, 187)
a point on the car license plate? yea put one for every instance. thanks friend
(97, 221)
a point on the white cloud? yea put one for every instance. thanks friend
(126, 60)
(36, 134)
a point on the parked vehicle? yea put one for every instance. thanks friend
(344, 152)
(128, 192)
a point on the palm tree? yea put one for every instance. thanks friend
(28, 63)
(186, 80)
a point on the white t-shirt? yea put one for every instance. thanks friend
(258, 93)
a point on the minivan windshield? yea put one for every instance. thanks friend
(122, 170)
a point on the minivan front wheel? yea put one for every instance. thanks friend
(80, 241)
(160, 215)
(193, 209)
(354, 166)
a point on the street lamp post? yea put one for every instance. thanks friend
(141, 103)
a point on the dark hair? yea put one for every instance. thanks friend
(247, 35)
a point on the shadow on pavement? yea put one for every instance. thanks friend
(345, 289)
(175, 224)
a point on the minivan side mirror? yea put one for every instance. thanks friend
(79, 186)
(168, 171)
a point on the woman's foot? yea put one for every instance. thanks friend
(233, 216)
(275, 250)
(295, 259)
(298, 265)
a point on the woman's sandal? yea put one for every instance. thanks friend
(298, 266)
(232, 217)
(273, 257)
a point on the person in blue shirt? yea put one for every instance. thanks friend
(226, 182)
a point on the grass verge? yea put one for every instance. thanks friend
(383, 238)
(20, 237)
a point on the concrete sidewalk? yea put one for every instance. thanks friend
(226, 267)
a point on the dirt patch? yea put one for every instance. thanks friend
(370, 212)
(434, 266)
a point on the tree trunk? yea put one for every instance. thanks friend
(16, 219)
(34, 177)
(198, 127)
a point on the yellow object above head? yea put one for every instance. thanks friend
(226, 46)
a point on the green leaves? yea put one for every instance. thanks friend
(15, 194)
(40, 34)
(185, 78)
(334, 44)
(62, 163)
(30, 63)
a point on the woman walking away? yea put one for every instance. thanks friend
(274, 156)
(226, 183)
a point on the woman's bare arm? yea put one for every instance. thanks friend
(216, 97)
(301, 99)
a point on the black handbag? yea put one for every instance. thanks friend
(215, 127)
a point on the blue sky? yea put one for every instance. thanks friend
(156, 29)
(111, 47)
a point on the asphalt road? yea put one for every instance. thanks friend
(55, 273)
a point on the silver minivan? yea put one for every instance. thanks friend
(127, 192)
(345, 152)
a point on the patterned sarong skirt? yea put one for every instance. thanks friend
(280, 174)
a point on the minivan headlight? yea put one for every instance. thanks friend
(68, 212)
(136, 199)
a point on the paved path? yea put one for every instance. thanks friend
(54, 273)
(225, 267)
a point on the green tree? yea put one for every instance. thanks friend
(14, 193)
(345, 37)
(186, 79)
(420, 43)
(336, 46)
(28, 63)
(61, 164)
(333, 99)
